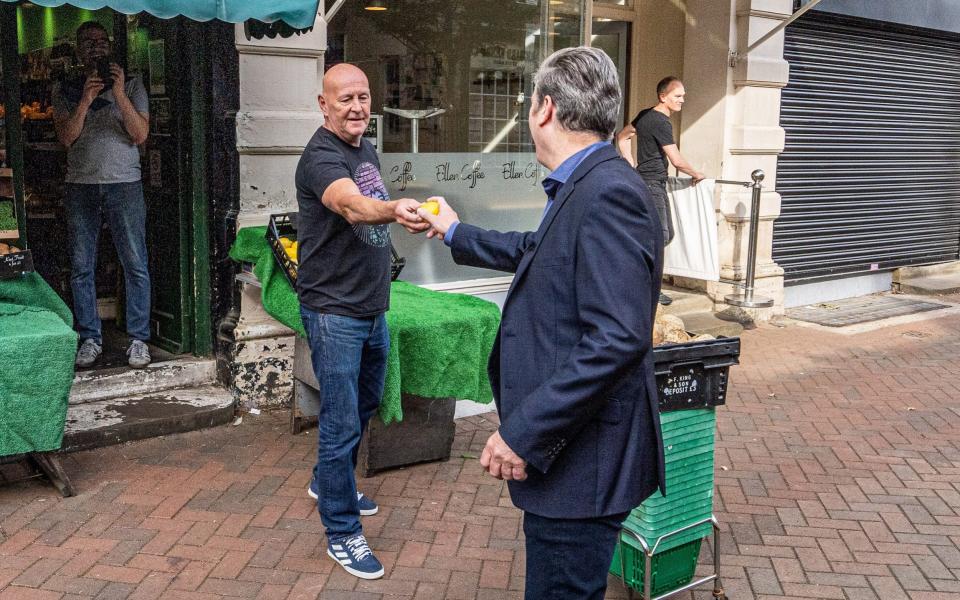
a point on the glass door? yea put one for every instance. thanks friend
(159, 53)
(451, 83)
(613, 37)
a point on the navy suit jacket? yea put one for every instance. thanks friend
(572, 366)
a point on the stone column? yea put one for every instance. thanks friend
(731, 126)
(279, 82)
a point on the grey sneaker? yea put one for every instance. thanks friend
(90, 350)
(138, 355)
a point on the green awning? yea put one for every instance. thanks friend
(299, 14)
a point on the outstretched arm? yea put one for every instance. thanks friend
(474, 246)
(681, 164)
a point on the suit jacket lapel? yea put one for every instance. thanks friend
(566, 190)
(562, 196)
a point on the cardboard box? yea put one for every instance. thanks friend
(6, 183)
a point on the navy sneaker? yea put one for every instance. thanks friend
(367, 506)
(354, 555)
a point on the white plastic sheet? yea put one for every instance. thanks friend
(693, 252)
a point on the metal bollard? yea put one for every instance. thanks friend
(747, 299)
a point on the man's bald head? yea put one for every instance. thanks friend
(343, 74)
(345, 102)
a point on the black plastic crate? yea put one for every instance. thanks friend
(285, 225)
(397, 263)
(16, 264)
(694, 374)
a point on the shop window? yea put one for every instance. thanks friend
(450, 83)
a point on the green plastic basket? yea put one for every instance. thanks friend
(669, 569)
(680, 501)
(665, 525)
(699, 415)
(698, 478)
(695, 434)
(688, 437)
(694, 533)
(702, 477)
(690, 456)
(697, 505)
(652, 525)
(681, 417)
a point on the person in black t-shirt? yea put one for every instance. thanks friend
(344, 288)
(655, 146)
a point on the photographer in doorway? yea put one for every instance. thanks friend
(101, 119)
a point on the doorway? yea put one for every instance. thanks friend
(168, 56)
(613, 37)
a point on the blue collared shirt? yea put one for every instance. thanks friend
(551, 183)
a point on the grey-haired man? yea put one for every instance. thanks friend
(572, 367)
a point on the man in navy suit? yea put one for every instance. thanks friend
(572, 367)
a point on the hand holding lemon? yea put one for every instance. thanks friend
(431, 206)
(438, 213)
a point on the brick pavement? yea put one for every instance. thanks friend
(838, 474)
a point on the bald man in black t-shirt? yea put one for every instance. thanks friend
(344, 288)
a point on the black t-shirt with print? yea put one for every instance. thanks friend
(654, 131)
(344, 269)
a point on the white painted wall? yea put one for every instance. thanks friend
(279, 82)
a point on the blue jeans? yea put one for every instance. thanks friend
(568, 559)
(349, 358)
(122, 205)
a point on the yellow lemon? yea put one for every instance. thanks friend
(285, 242)
(431, 206)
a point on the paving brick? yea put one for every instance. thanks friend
(38, 572)
(25, 593)
(114, 573)
(764, 581)
(81, 586)
(495, 574)
(153, 587)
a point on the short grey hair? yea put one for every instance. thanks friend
(585, 88)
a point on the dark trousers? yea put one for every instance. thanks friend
(568, 559)
(658, 189)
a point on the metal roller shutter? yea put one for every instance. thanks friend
(870, 176)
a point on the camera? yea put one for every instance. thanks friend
(103, 71)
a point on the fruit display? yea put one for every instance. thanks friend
(31, 112)
(282, 237)
(291, 248)
(6, 249)
(8, 219)
(35, 112)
